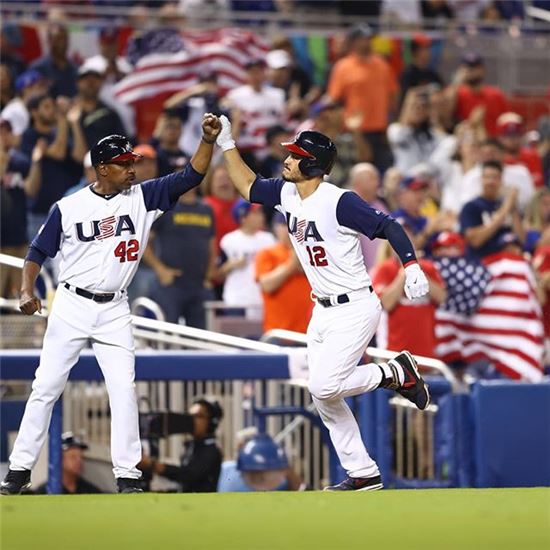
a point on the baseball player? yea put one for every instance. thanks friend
(100, 233)
(324, 223)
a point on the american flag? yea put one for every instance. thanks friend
(171, 66)
(504, 327)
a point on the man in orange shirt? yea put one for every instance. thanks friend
(364, 82)
(285, 290)
(468, 93)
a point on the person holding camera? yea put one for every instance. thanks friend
(201, 460)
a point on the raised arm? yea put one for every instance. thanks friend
(239, 172)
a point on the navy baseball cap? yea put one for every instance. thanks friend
(472, 59)
(28, 78)
(241, 208)
(69, 440)
(508, 238)
(113, 148)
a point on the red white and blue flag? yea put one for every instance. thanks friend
(171, 66)
(506, 327)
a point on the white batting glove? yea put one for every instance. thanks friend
(225, 139)
(416, 283)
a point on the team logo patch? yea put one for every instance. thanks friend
(98, 230)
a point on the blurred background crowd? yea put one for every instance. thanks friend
(439, 140)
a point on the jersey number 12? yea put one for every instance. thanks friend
(317, 256)
(127, 250)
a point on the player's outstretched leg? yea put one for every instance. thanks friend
(15, 482)
(402, 376)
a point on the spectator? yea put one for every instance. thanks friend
(170, 158)
(541, 265)
(454, 156)
(15, 179)
(28, 84)
(146, 167)
(61, 164)
(261, 465)
(537, 220)
(513, 175)
(238, 253)
(468, 92)
(413, 138)
(199, 468)
(56, 67)
(544, 147)
(364, 179)
(191, 104)
(365, 84)
(255, 108)
(220, 194)
(113, 67)
(419, 73)
(96, 118)
(182, 253)
(411, 196)
(510, 135)
(388, 279)
(285, 289)
(10, 36)
(272, 165)
(327, 117)
(72, 467)
(488, 217)
(6, 85)
(437, 10)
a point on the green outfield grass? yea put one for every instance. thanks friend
(518, 519)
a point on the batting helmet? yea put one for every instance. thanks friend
(261, 453)
(317, 150)
(113, 148)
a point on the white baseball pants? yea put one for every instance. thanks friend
(74, 321)
(337, 339)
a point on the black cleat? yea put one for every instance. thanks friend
(413, 388)
(357, 484)
(129, 485)
(15, 482)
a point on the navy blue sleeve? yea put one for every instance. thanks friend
(267, 191)
(353, 212)
(470, 216)
(163, 193)
(48, 239)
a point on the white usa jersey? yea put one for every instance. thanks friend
(101, 239)
(324, 229)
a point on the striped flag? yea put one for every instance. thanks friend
(506, 328)
(160, 69)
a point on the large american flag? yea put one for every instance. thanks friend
(173, 65)
(505, 327)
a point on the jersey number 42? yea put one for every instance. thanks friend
(127, 251)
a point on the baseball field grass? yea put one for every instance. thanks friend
(517, 519)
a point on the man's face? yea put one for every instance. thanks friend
(121, 174)
(221, 185)
(46, 111)
(201, 419)
(491, 181)
(171, 130)
(291, 171)
(6, 137)
(58, 41)
(89, 86)
(511, 143)
(254, 220)
(256, 75)
(422, 57)
(490, 152)
(411, 200)
(146, 169)
(474, 74)
(109, 49)
(361, 45)
(73, 461)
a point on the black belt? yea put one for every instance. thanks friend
(341, 299)
(100, 298)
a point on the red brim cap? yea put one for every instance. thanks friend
(293, 148)
(126, 156)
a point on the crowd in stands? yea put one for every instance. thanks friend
(466, 176)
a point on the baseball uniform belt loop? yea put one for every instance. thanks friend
(336, 300)
(100, 298)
